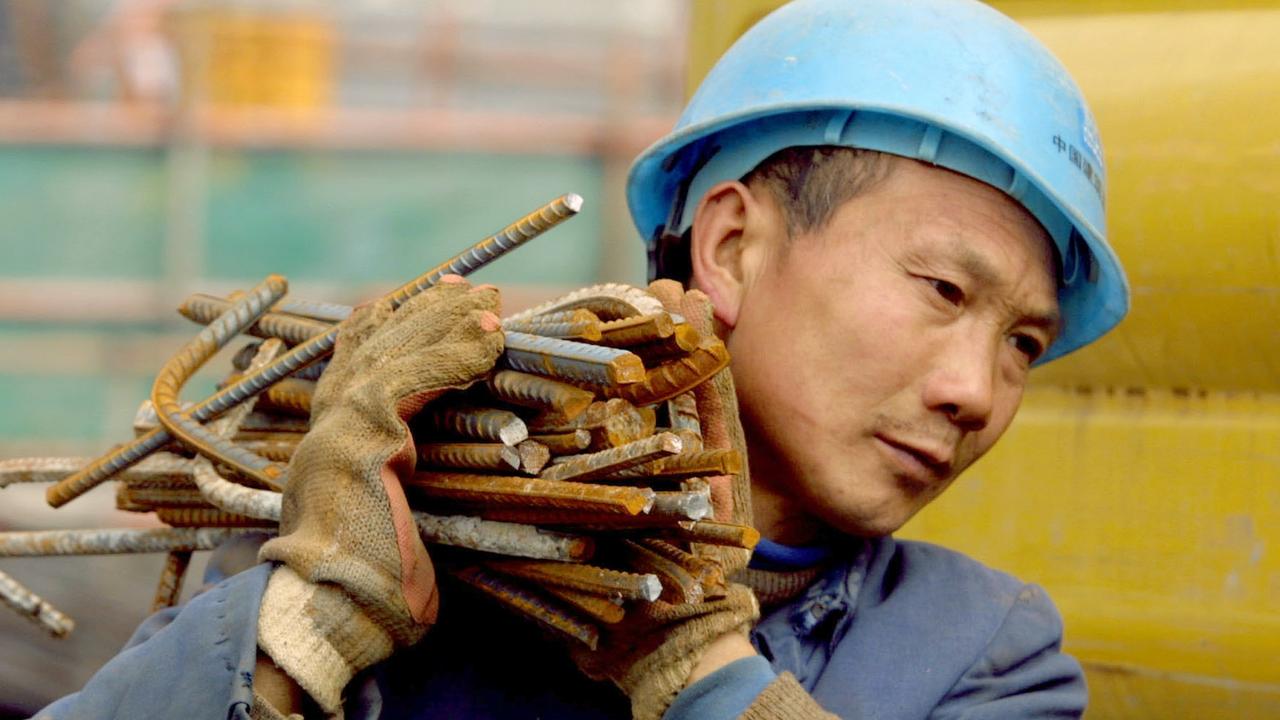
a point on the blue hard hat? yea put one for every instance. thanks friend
(949, 82)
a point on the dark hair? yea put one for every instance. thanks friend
(809, 184)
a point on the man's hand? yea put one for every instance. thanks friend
(355, 581)
(660, 648)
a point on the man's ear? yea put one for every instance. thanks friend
(728, 246)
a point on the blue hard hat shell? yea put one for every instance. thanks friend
(949, 82)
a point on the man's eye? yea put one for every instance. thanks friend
(1028, 346)
(948, 291)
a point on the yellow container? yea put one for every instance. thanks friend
(236, 57)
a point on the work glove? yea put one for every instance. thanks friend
(652, 651)
(355, 582)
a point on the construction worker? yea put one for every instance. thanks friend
(892, 211)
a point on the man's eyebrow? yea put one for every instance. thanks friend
(980, 269)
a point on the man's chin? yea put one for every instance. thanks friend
(868, 525)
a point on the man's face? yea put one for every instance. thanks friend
(879, 356)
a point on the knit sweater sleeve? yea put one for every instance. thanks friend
(785, 699)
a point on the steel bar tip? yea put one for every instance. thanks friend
(477, 256)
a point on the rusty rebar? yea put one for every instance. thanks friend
(674, 377)
(325, 311)
(708, 572)
(498, 490)
(136, 496)
(233, 498)
(678, 584)
(574, 519)
(540, 393)
(169, 588)
(208, 517)
(595, 607)
(52, 469)
(34, 608)
(569, 360)
(683, 340)
(570, 325)
(611, 423)
(174, 374)
(533, 456)
(682, 413)
(470, 456)
(302, 355)
(565, 443)
(637, 330)
(590, 466)
(683, 504)
(111, 541)
(530, 603)
(291, 396)
(600, 581)
(477, 423)
(710, 532)
(704, 463)
(204, 309)
(609, 301)
(503, 538)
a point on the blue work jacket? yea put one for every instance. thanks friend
(892, 630)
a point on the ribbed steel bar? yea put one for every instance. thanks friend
(705, 570)
(502, 538)
(675, 377)
(609, 301)
(477, 256)
(678, 584)
(161, 467)
(572, 324)
(533, 456)
(565, 443)
(590, 466)
(540, 393)
(34, 608)
(711, 532)
(637, 330)
(208, 517)
(326, 311)
(569, 360)
(494, 246)
(169, 588)
(217, 490)
(498, 490)
(531, 603)
(111, 541)
(168, 385)
(683, 504)
(470, 456)
(204, 309)
(477, 423)
(602, 581)
(597, 608)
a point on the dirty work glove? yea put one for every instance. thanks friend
(355, 581)
(651, 653)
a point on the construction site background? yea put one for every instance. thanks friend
(149, 149)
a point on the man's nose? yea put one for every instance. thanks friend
(962, 383)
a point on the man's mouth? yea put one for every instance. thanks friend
(922, 462)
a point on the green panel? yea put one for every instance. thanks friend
(52, 407)
(383, 217)
(87, 212)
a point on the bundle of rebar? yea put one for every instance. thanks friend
(569, 484)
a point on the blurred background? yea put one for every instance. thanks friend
(152, 148)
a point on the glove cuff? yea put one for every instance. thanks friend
(317, 635)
